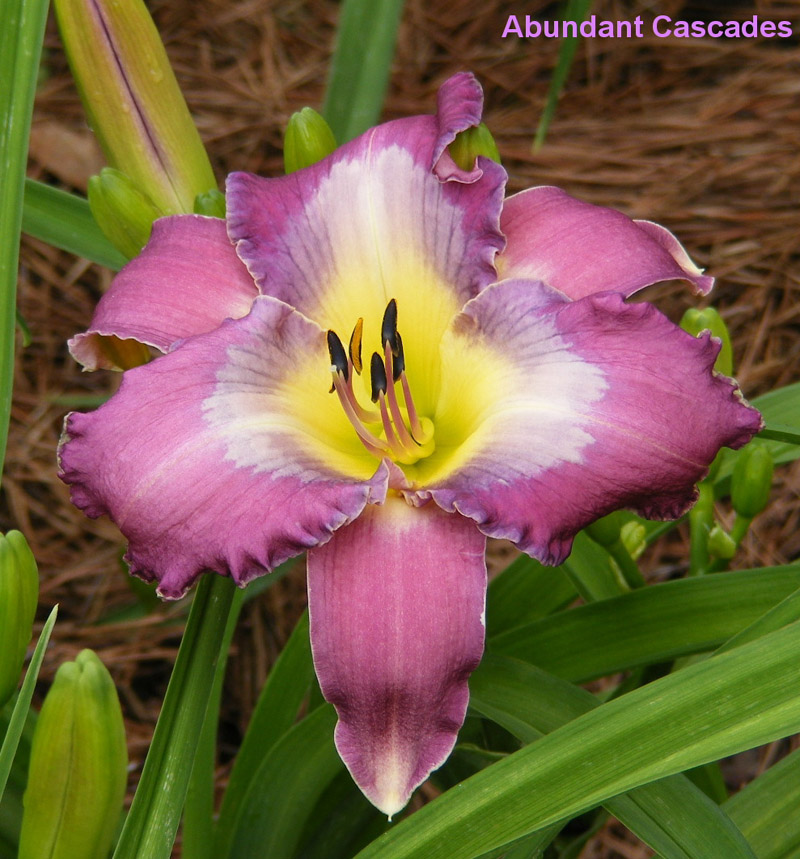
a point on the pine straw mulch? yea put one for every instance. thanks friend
(699, 135)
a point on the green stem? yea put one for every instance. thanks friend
(701, 518)
(158, 804)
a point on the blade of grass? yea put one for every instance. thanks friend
(23, 703)
(21, 36)
(360, 66)
(64, 220)
(576, 11)
(157, 806)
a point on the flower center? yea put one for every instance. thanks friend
(392, 430)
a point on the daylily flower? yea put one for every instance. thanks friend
(379, 361)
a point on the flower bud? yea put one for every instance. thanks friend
(308, 139)
(122, 211)
(211, 203)
(471, 143)
(19, 592)
(752, 480)
(695, 321)
(720, 543)
(634, 538)
(132, 99)
(78, 766)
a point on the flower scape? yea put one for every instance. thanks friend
(380, 361)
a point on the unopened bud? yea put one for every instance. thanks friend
(721, 544)
(471, 143)
(211, 203)
(78, 766)
(122, 211)
(19, 592)
(695, 321)
(752, 480)
(634, 538)
(132, 100)
(308, 139)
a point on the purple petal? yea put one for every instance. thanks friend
(459, 106)
(605, 405)
(372, 222)
(206, 460)
(581, 249)
(185, 282)
(396, 602)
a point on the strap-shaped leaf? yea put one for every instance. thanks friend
(721, 706)
(649, 625)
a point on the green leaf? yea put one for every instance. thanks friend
(718, 707)
(780, 432)
(360, 66)
(671, 815)
(20, 48)
(576, 11)
(766, 810)
(524, 591)
(286, 787)
(648, 625)
(198, 815)
(276, 711)
(158, 803)
(64, 220)
(20, 712)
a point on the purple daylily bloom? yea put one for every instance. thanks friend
(505, 389)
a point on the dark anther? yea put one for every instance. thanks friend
(378, 375)
(398, 359)
(337, 353)
(389, 326)
(355, 346)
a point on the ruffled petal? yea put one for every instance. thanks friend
(203, 463)
(581, 249)
(396, 602)
(186, 281)
(372, 222)
(599, 405)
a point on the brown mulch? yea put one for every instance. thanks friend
(699, 135)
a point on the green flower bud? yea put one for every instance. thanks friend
(308, 139)
(78, 766)
(211, 203)
(19, 592)
(720, 543)
(471, 143)
(752, 480)
(634, 538)
(695, 321)
(122, 211)
(132, 99)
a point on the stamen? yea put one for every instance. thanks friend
(413, 418)
(376, 446)
(355, 346)
(399, 362)
(338, 355)
(378, 376)
(397, 416)
(389, 326)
